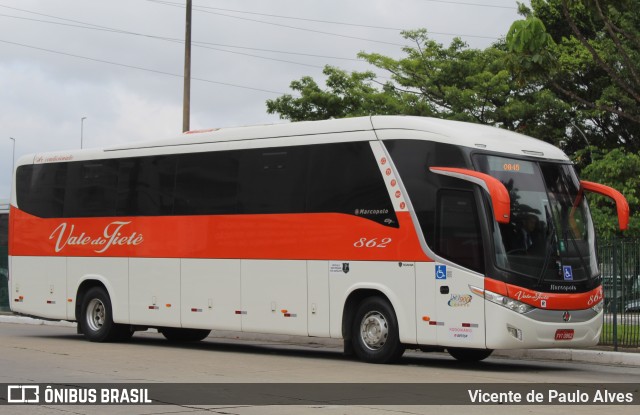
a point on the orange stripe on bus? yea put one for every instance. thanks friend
(549, 301)
(271, 236)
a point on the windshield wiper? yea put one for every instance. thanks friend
(575, 246)
(552, 233)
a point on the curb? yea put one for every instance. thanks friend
(574, 355)
(567, 355)
(9, 318)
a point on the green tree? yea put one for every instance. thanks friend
(453, 82)
(347, 95)
(620, 170)
(588, 53)
(569, 74)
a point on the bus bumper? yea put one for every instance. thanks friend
(506, 329)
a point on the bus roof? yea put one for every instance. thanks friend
(386, 127)
(472, 135)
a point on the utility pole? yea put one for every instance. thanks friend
(13, 158)
(186, 101)
(82, 131)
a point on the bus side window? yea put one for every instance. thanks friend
(91, 188)
(40, 189)
(145, 186)
(458, 236)
(345, 178)
(207, 183)
(272, 180)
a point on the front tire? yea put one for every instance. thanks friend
(96, 318)
(375, 336)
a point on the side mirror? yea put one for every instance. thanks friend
(498, 193)
(622, 206)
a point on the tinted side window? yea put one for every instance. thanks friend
(273, 180)
(91, 188)
(458, 236)
(413, 158)
(337, 178)
(145, 186)
(345, 178)
(40, 189)
(207, 183)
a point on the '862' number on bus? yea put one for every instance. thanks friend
(372, 243)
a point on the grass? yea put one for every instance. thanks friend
(628, 334)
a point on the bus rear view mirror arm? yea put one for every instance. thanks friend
(622, 207)
(499, 194)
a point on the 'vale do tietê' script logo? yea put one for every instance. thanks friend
(113, 235)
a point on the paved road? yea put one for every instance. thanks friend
(47, 354)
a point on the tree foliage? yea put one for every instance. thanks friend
(588, 53)
(347, 95)
(568, 73)
(451, 82)
(620, 170)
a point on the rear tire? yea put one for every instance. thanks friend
(184, 335)
(96, 318)
(374, 332)
(469, 355)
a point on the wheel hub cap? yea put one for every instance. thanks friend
(95, 314)
(374, 330)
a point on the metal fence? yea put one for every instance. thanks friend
(620, 268)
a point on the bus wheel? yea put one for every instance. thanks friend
(469, 355)
(184, 335)
(374, 333)
(96, 318)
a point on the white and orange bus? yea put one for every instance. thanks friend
(388, 232)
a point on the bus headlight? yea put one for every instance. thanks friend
(510, 303)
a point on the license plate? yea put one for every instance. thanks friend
(564, 334)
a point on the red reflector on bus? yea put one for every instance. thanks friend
(153, 307)
(466, 324)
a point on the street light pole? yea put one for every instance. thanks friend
(186, 97)
(82, 130)
(13, 157)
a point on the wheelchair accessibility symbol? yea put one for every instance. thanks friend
(567, 271)
(441, 272)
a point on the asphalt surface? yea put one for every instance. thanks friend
(629, 357)
(33, 351)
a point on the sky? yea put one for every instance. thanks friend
(119, 63)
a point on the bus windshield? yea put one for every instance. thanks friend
(550, 237)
